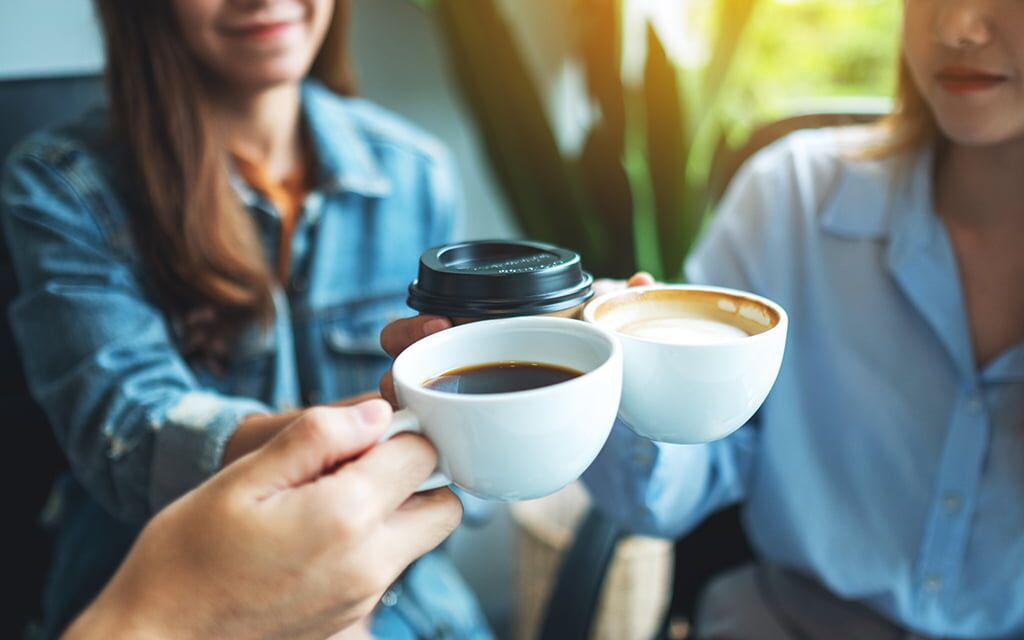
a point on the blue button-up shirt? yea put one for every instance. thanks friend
(885, 463)
(140, 425)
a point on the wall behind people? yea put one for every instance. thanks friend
(401, 65)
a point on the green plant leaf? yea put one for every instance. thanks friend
(601, 161)
(668, 148)
(599, 28)
(733, 17)
(609, 195)
(644, 214)
(543, 188)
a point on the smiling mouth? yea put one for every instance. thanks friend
(261, 31)
(964, 80)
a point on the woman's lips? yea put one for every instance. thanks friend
(960, 81)
(261, 31)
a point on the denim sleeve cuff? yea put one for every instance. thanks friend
(191, 439)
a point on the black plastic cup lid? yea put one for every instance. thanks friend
(499, 278)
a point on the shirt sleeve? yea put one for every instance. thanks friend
(137, 428)
(664, 489)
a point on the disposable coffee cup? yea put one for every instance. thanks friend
(489, 279)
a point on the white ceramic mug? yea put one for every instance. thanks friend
(698, 361)
(522, 444)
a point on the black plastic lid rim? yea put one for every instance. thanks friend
(496, 278)
(437, 305)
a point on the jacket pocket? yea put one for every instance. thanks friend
(250, 373)
(355, 361)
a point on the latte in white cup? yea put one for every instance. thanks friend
(698, 361)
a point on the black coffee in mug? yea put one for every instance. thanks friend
(500, 377)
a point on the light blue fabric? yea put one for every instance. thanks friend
(884, 464)
(140, 425)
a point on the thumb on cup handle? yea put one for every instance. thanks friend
(405, 421)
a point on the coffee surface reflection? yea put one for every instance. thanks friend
(500, 377)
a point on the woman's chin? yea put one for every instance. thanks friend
(978, 130)
(265, 78)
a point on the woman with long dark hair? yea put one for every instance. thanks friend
(216, 249)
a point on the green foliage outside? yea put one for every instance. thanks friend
(638, 194)
(794, 50)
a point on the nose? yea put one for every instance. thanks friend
(964, 24)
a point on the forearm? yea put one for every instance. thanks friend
(136, 453)
(112, 616)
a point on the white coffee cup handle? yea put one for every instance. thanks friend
(405, 421)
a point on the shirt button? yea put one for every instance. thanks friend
(975, 405)
(390, 597)
(952, 503)
(932, 584)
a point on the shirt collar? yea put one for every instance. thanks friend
(345, 160)
(869, 195)
(921, 258)
(891, 200)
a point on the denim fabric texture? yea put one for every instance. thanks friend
(140, 425)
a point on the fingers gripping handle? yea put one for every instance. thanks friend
(405, 421)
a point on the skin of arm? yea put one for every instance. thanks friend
(297, 539)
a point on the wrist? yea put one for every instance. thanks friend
(136, 604)
(112, 616)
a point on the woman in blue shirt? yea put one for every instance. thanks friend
(217, 250)
(882, 482)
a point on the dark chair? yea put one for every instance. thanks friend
(35, 459)
(719, 543)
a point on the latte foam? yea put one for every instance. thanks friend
(683, 330)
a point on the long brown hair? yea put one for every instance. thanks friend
(200, 244)
(911, 125)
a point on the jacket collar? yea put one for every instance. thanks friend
(345, 159)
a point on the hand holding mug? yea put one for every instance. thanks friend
(297, 539)
(400, 334)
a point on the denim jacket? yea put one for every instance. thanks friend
(140, 425)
